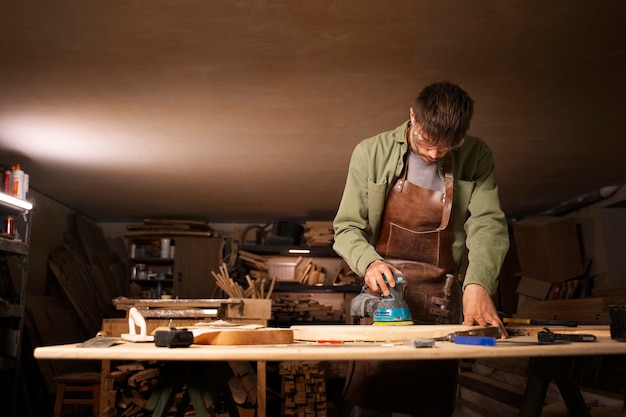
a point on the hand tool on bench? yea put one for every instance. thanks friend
(548, 337)
(484, 336)
(534, 322)
(102, 339)
(490, 331)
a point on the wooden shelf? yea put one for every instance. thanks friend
(12, 246)
(196, 255)
(14, 290)
(11, 209)
(168, 281)
(153, 261)
(14, 310)
(313, 251)
(296, 287)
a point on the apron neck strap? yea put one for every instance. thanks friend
(448, 186)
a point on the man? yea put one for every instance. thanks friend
(416, 200)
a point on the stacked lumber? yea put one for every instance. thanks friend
(319, 233)
(304, 308)
(304, 388)
(88, 272)
(165, 227)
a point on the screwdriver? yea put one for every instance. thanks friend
(566, 323)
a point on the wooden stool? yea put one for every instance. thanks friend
(78, 382)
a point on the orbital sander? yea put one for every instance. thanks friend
(392, 309)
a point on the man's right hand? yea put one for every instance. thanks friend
(374, 276)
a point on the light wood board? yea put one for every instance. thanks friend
(374, 333)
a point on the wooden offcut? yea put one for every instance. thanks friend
(592, 310)
(263, 336)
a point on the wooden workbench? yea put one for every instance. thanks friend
(523, 346)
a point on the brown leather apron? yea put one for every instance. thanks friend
(416, 237)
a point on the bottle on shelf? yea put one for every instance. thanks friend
(17, 182)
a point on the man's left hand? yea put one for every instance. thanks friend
(478, 308)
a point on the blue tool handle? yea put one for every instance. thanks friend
(475, 340)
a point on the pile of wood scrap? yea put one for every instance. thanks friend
(145, 388)
(346, 276)
(309, 273)
(226, 283)
(255, 289)
(304, 388)
(126, 387)
(256, 264)
(319, 233)
(302, 309)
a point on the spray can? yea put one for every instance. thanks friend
(17, 180)
(9, 227)
(6, 186)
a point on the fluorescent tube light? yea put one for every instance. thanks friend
(299, 251)
(8, 199)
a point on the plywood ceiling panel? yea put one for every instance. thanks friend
(249, 111)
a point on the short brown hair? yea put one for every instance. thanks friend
(444, 111)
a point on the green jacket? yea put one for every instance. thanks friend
(479, 223)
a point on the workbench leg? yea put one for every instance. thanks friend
(534, 396)
(261, 388)
(105, 400)
(540, 371)
(573, 399)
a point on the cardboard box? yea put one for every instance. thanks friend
(535, 288)
(548, 248)
(529, 291)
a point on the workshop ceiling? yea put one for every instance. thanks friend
(249, 110)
